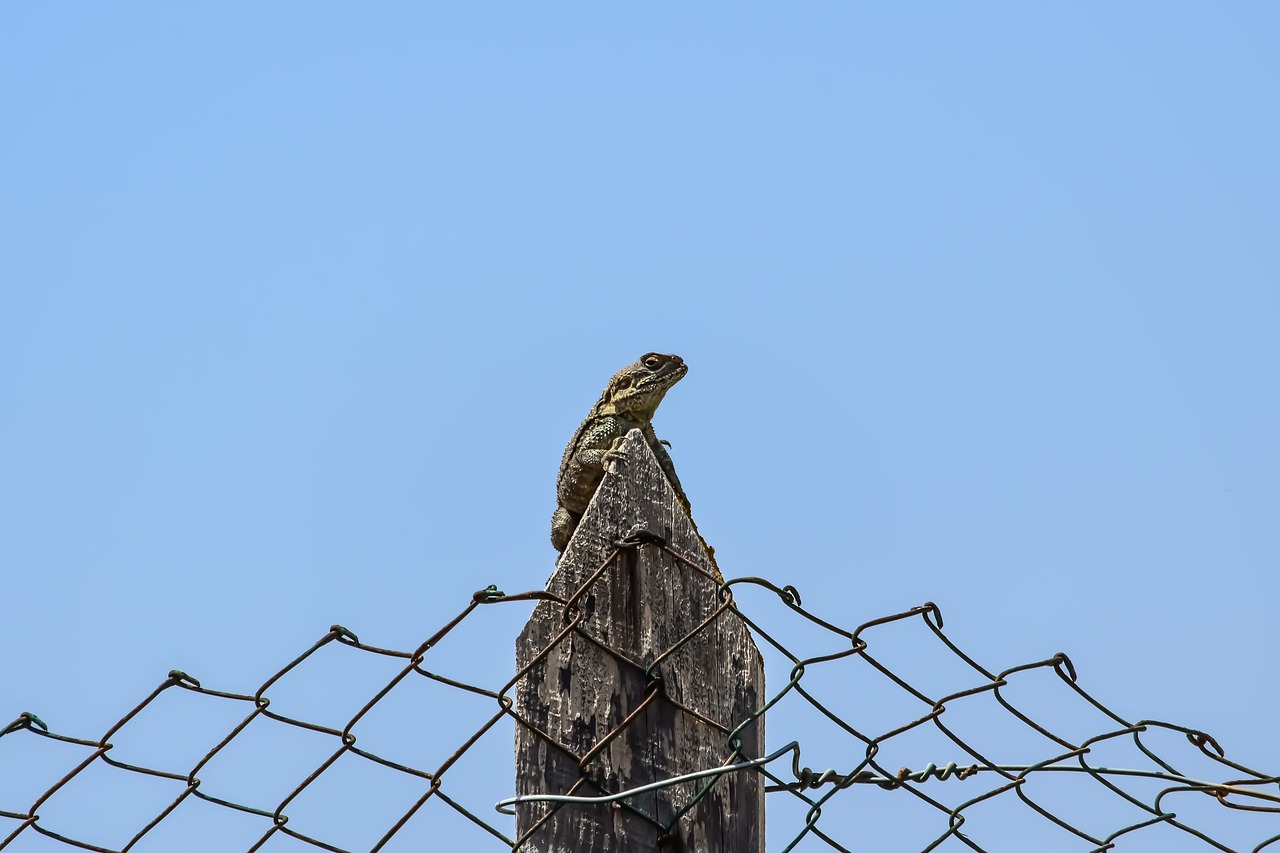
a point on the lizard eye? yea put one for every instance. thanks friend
(651, 361)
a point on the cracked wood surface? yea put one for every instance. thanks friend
(593, 678)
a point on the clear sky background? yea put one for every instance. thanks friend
(302, 301)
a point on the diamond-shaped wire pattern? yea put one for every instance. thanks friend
(1064, 787)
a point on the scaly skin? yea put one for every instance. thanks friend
(628, 403)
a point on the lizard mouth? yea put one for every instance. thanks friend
(670, 373)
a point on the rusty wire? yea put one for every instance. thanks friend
(940, 790)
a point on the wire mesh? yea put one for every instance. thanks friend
(1049, 778)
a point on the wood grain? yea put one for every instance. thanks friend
(581, 689)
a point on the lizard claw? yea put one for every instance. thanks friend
(612, 456)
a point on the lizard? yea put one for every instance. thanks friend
(628, 402)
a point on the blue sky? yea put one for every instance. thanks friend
(302, 301)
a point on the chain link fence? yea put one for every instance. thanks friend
(421, 753)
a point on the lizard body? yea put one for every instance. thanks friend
(628, 402)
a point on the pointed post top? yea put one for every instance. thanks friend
(633, 494)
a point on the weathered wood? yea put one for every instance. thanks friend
(583, 686)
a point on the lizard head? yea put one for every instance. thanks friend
(638, 388)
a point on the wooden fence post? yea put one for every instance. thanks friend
(639, 679)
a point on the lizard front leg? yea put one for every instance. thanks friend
(665, 463)
(582, 472)
(600, 444)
